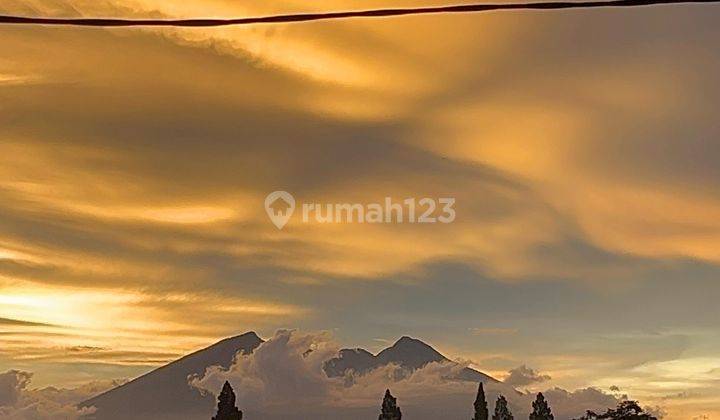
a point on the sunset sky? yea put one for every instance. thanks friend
(582, 148)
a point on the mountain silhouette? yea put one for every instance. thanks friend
(164, 392)
(411, 353)
(407, 352)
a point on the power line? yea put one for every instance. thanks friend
(306, 17)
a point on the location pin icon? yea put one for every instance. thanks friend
(280, 206)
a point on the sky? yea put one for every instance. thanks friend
(581, 148)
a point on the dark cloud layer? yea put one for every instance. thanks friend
(523, 376)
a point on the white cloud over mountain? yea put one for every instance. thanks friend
(285, 375)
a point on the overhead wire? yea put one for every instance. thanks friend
(308, 17)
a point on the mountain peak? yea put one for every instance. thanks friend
(416, 346)
(410, 352)
(409, 341)
(250, 334)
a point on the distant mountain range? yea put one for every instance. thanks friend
(164, 393)
(407, 352)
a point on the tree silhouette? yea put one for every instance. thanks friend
(626, 410)
(502, 412)
(481, 408)
(226, 405)
(390, 410)
(541, 409)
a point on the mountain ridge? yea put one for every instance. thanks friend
(148, 394)
(407, 352)
(164, 393)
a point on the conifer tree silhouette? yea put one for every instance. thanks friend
(481, 407)
(226, 405)
(390, 409)
(541, 409)
(502, 412)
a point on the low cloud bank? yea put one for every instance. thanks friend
(18, 402)
(284, 376)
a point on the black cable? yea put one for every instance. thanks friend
(305, 17)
